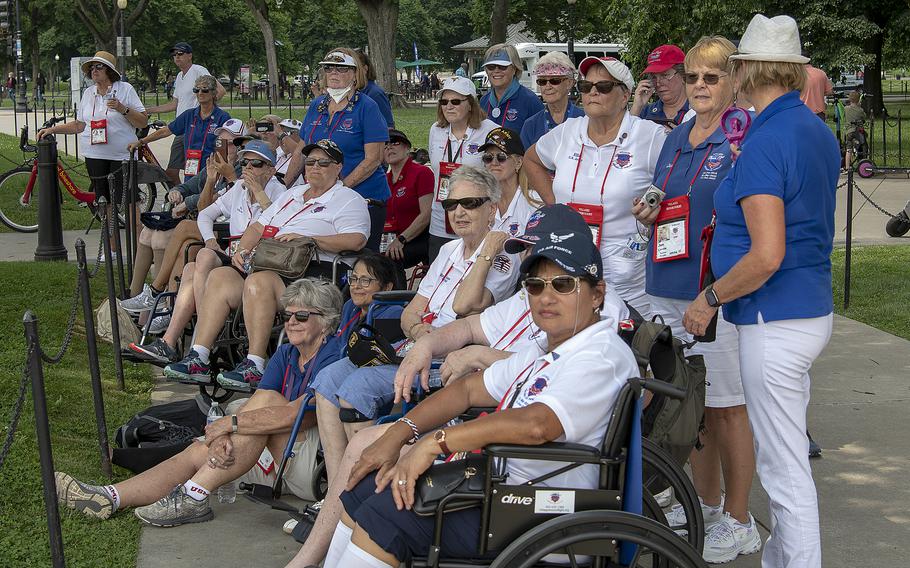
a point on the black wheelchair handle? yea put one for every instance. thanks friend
(661, 387)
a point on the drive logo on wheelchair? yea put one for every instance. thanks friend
(511, 499)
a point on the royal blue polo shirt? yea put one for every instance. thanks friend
(381, 99)
(790, 154)
(515, 110)
(542, 122)
(195, 130)
(283, 373)
(707, 164)
(351, 128)
(656, 110)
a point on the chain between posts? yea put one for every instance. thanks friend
(17, 408)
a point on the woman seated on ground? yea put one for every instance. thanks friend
(176, 491)
(241, 206)
(324, 209)
(539, 391)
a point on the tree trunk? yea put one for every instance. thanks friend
(499, 21)
(872, 76)
(151, 73)
(260, 11)
(381, 19)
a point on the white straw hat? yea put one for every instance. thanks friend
(771, 39)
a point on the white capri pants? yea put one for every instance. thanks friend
(775, 358)
(723, 385)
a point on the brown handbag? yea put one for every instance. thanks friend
(288, 259)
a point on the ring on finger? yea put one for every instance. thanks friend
(402, 482)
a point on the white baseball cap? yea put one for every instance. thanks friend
(233, 125)
(290, 123)
(339, 58)
(460, 85)
(614, 67)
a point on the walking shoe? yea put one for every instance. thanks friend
(175, 509)
(244, 378)
(90, 500)
(728, 538)
(676, 517)
(191, 370)
(159, 325)
(157, 351)
(141, 302)
(815, 450)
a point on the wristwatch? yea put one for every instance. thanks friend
(440, 437)
(485, 257)
(402, 240)
(126, 112)
(233, 423)
(711, 297)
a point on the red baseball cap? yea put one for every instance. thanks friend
(663, 58)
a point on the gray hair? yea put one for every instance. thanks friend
(479, 177)
(207, 82)
(320, 295)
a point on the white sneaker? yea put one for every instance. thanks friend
(664, 498)
(159, 325)
(676, 517)
(141, 302)
(728, 538)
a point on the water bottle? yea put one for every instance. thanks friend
(215, 413)
(227, 493)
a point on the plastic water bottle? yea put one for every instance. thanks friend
(215, 413)
(227, 493)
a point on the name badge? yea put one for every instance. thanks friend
(671, 240)
(269, 231)
(593, 216)
(446, 169)
(99, 131)
(193, 157)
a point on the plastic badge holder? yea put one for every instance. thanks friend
(735, 123)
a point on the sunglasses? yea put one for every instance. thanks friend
(361, 281)
(496, 67)
(708, 78)
(254, 163)
(501, 157)
(178, 53)
(466, 202)
(336, 68)
(393, 143)
(98, 66)
(300, 316)
(454, 102)
(322, 162)
(603, 87)
(553, 81)
(197, 90)
(562, 284)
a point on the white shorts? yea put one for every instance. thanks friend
(723, 384)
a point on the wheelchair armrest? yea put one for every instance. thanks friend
(186, 250)
(551, 451)
(394, 296)
(476, 412)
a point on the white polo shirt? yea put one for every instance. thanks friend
(236, 206)
(516, 216)
(120, 132)
(340, 210)
(627, 164)
(579, 382)
(469, 155)
(508, 325)
(449, 269)
(183, 87)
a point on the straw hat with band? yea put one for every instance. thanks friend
(105, 58)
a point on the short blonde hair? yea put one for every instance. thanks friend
(360, 75)
(476, 115)
(712, 52)
(511, 51)
(757, 74)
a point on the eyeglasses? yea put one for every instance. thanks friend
(321, 162)
(178, 53)
(708, 78)
(663, 77)
(603, 87)
(493, 67)
(454, 102)
(501, 157)
(301, 316)
(98, 67)
(254, 163)
(336, 68)
(360, 281)
(562, 284)
(552, 80)
(393, 143)
(197, 90)
(466, 202)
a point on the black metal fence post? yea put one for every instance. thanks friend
(50, 223)
(112, 296)
(884, 140)
(114, 227)
(849, 250)
(92, 349)
(900, 140)
(42, 429)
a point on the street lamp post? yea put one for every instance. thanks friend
(571, 42)
(121, 56)
(21, 102)
(56, 72)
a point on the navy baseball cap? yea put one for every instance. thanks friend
(558, 233)
(182, 46)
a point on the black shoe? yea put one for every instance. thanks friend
(815, 451)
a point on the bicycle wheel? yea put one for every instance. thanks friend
(18, 216)
(660, 472)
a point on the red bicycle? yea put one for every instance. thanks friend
(19, 198)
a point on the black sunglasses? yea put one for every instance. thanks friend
(98, 66)
(177, 53)
(500, 157)
(562, 284)
(466, 202)
(552, 80)
(300, 316)
(455, 102)
(254, 163)
(323, 162)
(493, 67)
(198, 90)
(603, 87)
(708, 78)
(336, 68)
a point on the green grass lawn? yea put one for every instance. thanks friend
(47, 289)
(879, 291)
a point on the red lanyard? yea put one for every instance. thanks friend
(331, 130)
(518, 388)
(697, 170)
(306, 377)
(193, 129)
(95, 98)
(441, 281)
(511, 329)
(458, 154)
(352, 320)
(295, 214)
(603, 184)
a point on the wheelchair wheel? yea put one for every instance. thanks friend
(657, 544)
(319, 484)
(661, 472)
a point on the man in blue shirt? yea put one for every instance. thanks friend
(462, 70)
(665, 78)
(508, 103)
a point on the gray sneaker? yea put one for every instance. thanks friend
(141, 302)
(175, 509)
(159, 325)
(157, 351)
(90, 500)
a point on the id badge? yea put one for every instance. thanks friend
(99, 131)
(446, 169)
(671, 234)
(269, 231)
(593, 216)
(266, 462)
(193, 157)
(233, 245)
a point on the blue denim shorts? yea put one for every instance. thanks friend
(367, 389)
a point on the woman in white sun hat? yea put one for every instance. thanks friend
(771, 256)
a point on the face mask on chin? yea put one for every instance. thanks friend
(337, 94)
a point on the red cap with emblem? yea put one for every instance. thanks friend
(663, 58)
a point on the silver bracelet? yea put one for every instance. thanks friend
(413, 427)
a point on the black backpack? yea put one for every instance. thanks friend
(171, 424)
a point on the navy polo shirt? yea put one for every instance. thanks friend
(286, 362)
(656, 110)
(542, 122)
(379, 97)
(351, 128)
(790, 154)
(515, 110)
(708, 164)
(195, 129)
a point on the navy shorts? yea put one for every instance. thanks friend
(404, 533)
